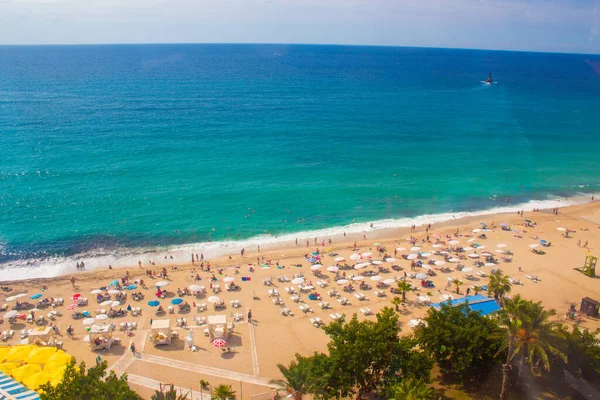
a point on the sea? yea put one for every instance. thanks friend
(114, 153)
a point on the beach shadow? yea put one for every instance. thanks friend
(176, 345)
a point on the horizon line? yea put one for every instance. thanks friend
(286, 44)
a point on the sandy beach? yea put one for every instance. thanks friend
(273, 338)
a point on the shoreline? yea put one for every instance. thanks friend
(286, 243)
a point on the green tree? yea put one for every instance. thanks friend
(168, 392)
(582, 348)
(476, 289)
(93, 384)
(499, 285)
(223, 392)
(461, 341)
(412, 389)
(294, 377)
(204, 385)
(530, 334)
(458, 284)
(403, 287)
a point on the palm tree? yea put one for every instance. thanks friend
(204, 385)
(294, 378)
(223, 392)
(458, 284)
(168, 392)
(530, 334)
(411, 389)
(476, 289)
(403, 287)
(396, 302)
(499, 285)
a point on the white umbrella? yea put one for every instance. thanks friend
(89, 321)
(11, 298)
(297, 281)
(437, 246)
(340, 259)
(425, 254)
(473, 255)
(355, 257)
(471, 240)
(114, 291)
(467, 269)
(486, 254)
(367, 254)
(316, 267)
(439, 263)
(358, 278)
(421, 276)
(101, 317)
(476, 230)
(412, 256)
(333, 268)
(453, 242)
(361, 265)
(342, 281)
(10, 314)
(161, 284)
(377, 262)
(489, 264)
(400, 248)
(561, 229)
(96, 291)
(390, 281)
(468, 248)
(415, 248)
(390, 259)
(500, 251)
(534, 245)
(444, 252)
(18, 296)
(376, 278)
(501, 245)
(213, 299)
(106, 303)
(195, 288)
(115, 304)
(454, 260)
(229, 279)
(480, 247)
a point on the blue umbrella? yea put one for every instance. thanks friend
(86, 314)
(36, 296)
(153, 303)
(543, 241)
(131, 287)
(114, 283)
(177, 301)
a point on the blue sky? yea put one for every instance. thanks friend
(541, 25)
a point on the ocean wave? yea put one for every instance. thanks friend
(122, 257)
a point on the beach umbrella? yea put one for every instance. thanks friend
(114, 291)
(454, 260)
(316, 267)
(543, 241)
(489, 264)
(86, 314)
(361, 265)
(20, 295)
(176, 301)
(473, 255)
(471, 240)
(342, 281)
(467, 269)
(11, 314)
(501, 245)
(154, 303)
(377, 262)
(355, 257)
(415, 248)
(367, 254)
(486, 254)
(421, 276)
(213, 299)
(229, 279)
(131, 287)
(339, 259)
(101, 317)
(106, 303)
(89, 321)
(96, 291)
(333, 268)
(162, 284)
(36, 296)
(113, 283)
(500, 251)
(444, 252)
(561, 229)
(400, 249)
(195, 288)
(11, 298)
(437, 246)
(412, 256)
(36, 380)
(389, 281)
(453, 242)
(71, 307)
(24, 371)
(477, 230)
(376, 278)
(534, 245)
(219, 342)
(390, 259)
(115, 303)
(480, 247)
(298, 281)
(439, 263)
(425, 254)
(358, 278)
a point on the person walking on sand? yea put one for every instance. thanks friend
(249, 316)
(242, 252)
(73, 281)
(132, 348)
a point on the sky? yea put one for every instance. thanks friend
(530, 25)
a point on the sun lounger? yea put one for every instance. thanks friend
(366, 311)
(304, 308)
(380, 293)
(322, 283)
(307, 288)
(273, 292)
(333, 293)
(343, 301)
(287, 311)
(335, 316)
(295, 299)
(360, 296)
(315, 322)
(324, 305)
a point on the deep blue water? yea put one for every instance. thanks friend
(124, 146)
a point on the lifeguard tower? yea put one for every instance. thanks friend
(217, 326)
(589, 268)
(161, 332)
(101, 337)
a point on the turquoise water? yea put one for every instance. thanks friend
(111, 148)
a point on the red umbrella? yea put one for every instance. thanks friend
(71, 306)
(77, 295)
(219, 342)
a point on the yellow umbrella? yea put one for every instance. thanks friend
(3, 351)
(56, 381)
(58, 359)
(40, 355)
(19, 353)
(7, 367)
(36, 380)
(25, 371)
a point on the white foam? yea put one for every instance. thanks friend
(31, 268)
